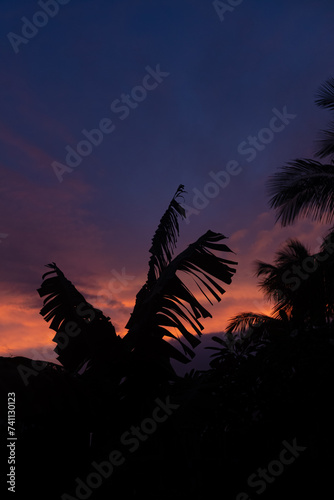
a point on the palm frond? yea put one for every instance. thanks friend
(269, 282)
(170, 304)
(325, 95)
(83, 332)
(244, 321)
(293, 251)
(234, 348)
(263, 268)
(327, 244)
(302, 188)
(326, 141)
(275, 281)
(165, 237)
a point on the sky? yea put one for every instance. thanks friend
(107, 106)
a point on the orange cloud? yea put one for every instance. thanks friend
(99, 273)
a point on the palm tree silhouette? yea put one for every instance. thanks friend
(305, 187)
(292, 282)
(85, 337)
(258, 392)
(300, 285)
(106, 384)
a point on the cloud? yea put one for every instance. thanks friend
(22, 329)
(21, 147)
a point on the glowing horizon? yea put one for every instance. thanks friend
(25, 331)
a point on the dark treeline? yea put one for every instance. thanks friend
(114, 420)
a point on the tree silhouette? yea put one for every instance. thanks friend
(85, 337)
(106, 383)
(305, 187)
(292, 282)
(299, 284)
(270, 377)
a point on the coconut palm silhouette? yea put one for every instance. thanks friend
(270, 379)
(300, 286)
(271, 386)
(304, 187)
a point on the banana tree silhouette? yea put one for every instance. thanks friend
(87, 339)
(304, 187)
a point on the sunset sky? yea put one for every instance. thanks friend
(181, 93)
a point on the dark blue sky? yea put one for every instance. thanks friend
(224, 80)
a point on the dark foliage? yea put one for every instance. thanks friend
(304, 187)
(270, 381)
